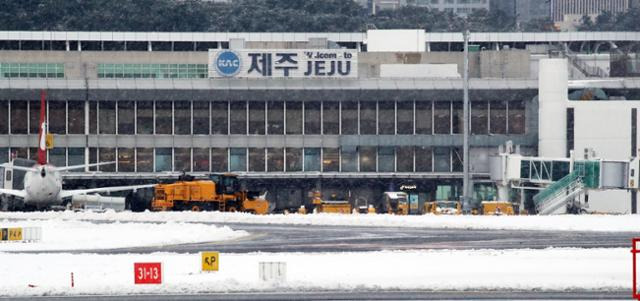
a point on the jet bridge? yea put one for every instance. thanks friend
(563, 184)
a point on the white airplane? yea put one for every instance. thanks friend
(43, 181)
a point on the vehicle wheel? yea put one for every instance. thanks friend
(195, 208)
(232, 209)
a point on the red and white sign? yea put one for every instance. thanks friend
(147, 272)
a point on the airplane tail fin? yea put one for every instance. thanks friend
(42, 132)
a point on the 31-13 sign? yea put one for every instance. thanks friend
(147, 272)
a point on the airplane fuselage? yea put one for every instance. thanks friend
(43, 186)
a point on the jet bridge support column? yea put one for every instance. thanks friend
(552, 128)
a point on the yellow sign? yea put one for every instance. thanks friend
(4, 234)
(15, 233)
(49, 141)
(210, 261)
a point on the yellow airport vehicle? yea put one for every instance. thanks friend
(443, 207)
(220, 192)
(497, 208)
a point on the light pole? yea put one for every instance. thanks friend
(465, 113)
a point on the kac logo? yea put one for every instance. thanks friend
(227, 63)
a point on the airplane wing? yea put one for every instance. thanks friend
(5, 165)
(68, 193)
(18, 193)
(67, 168)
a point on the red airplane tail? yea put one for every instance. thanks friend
(42, 131)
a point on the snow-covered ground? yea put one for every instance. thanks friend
(60, 234)
(533, 222)
(549, 269)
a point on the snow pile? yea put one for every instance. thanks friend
(533, 222)
(58, 234)
(549, 269)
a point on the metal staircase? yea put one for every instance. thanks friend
(558, 194)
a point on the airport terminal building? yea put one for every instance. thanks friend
(349, 114)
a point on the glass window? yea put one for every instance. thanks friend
(201, 121)
(312, 118)
(19, 117)
(457, 118)
(76, 157)
(276, 117)
(516, 117)
(219, 159)
(58, 156)
(33, 153)
(294, 159)
(219, 118)
(442, 117)
(331, 118)
(238, 159)
(349, 113)
(386, 159)
(311, 159)
(348, 159)
(126, 161)
(21, 152)
(107, 155)
(367, 159)
(256, 159)
(126, 119)
(275, 159)
(76, 117)
(4, 119)
(404, 158)
(182, 159)
(479, 118)
(367, 118)
(330, 159)
(144, 117)
(457, 158)
(424, 159)
(93, 158)
(163, 119)
(256, 118)
(386, 118)
(405, 118)
(144, 159)
(442, 159)
(200, 156)
(4, 155)
(423, 118)
(57, 117)
(498, 117)
(93, 117)
(238, 118)
(34, 117)
(163, 159)
(294, 118)
(182, 118)
(107, 117)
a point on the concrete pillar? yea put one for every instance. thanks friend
(552, 97)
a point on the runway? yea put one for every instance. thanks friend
(362, 295)
(313, 238)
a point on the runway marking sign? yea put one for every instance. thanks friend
(210, 261)
(147, 272)
(4, 234)
(15, 234)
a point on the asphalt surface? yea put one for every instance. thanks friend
(313, 238)
(366, 295)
